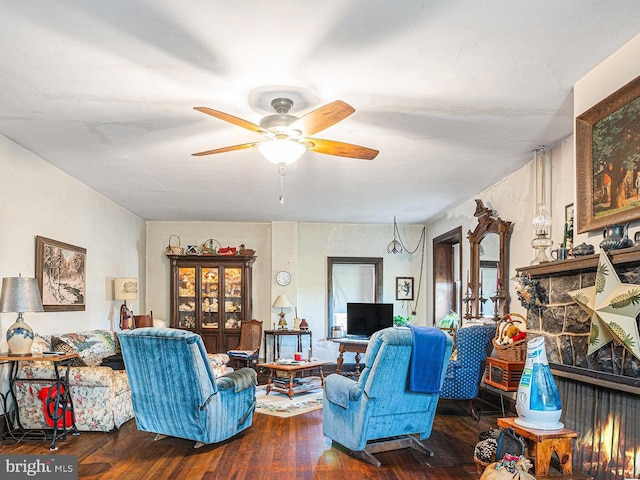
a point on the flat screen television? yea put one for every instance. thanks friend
(364, 319)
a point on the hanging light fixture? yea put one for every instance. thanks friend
(282, 151)
(394, 246)
(542, 219)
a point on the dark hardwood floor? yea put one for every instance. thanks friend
(272, 448)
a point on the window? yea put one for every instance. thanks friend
(351, 279)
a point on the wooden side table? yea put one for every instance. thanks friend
(350, 345)
(276, 336)
(542, 443)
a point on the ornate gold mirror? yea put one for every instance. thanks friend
(487, 293)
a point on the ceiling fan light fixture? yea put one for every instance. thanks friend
(281, 151)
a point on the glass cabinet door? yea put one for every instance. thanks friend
(210, 282)
(232, 297)
(187, 297)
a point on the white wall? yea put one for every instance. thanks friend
(39, 199)
(513, 197)
(615, 72)
(302, 249)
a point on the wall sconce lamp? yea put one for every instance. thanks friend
(19, 295)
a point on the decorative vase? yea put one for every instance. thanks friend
(538, 400)
(19, 338)
(615, 237)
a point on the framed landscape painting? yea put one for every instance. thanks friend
(608, 160)
(61, 275)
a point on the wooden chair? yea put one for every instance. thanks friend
(250, 340)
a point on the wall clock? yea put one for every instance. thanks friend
(283, 278)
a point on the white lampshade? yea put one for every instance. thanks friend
(281, 302)
(125, 288)
(282, 151)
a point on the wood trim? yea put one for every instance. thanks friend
(586, 262)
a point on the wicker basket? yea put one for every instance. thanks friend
(209, 246)
(174, 250)
(516, 351)
(480, 466)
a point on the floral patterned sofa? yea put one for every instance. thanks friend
(101, 395)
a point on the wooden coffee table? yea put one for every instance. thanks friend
(294, 385)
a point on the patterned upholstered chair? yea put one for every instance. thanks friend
(174, 391)
(465, 370)
(381, 405)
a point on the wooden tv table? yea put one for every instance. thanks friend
(294, 385)
(350, 345)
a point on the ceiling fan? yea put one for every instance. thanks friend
(288, 137)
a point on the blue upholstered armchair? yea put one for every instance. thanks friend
(465, 370)
(381, 404)
(174, 391)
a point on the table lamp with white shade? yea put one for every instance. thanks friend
(282, 302)
(19, 295)
(125, 289)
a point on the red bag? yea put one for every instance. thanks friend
(48, 397)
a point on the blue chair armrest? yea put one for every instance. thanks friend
(341, 390)
(238, 380)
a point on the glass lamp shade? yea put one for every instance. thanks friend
(20, 294)
(538, 400)
(542, 220)
(282, 151)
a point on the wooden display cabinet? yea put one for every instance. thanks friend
(211, 295)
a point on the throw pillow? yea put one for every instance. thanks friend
(59, 345)
(40, 344)
(92, 346)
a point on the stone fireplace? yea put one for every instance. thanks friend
(600, 392)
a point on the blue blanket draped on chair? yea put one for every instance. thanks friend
(427, 355)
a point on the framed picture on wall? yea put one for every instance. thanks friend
(61, 272)
(607, 160)
(404, 288)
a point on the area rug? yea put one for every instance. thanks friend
(279, 404)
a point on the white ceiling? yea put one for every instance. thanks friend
(455, 95)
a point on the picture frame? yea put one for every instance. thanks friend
(61, 273)
(607, 163)
(404, 288)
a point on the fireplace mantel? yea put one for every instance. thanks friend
(566, 327)
(586, 262)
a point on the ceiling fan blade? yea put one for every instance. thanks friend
(242, 146)
(340, 149)
(323, 117)
(234, 120)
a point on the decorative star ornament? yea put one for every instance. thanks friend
(613, 307)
